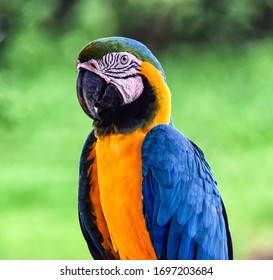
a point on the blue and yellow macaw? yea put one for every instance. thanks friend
(145, 190)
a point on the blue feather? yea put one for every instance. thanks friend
(182, 205)
(174, 238)
(185, 245)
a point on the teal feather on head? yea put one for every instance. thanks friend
(100, 47)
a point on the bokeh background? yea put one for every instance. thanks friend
(218, 58)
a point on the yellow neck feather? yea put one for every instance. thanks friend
(162, 91)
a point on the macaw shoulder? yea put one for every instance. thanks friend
(171, 155)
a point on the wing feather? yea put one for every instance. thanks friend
(182, 206)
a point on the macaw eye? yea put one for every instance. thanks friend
(124, 59)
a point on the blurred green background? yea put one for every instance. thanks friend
(218, 58)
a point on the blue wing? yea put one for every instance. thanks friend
(183, 210)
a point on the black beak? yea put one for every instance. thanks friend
(89, 88)
(92, 91)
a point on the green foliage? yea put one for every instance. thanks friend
(162, 22)
(155, 22)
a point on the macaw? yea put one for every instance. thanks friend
(145, 191)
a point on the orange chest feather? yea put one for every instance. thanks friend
(119, 170)
(120, 184)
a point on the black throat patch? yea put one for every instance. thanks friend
(129, 117)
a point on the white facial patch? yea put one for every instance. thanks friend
(120, 69)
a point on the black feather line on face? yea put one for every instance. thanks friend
(129, 117)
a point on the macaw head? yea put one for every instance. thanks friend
(121, 86)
